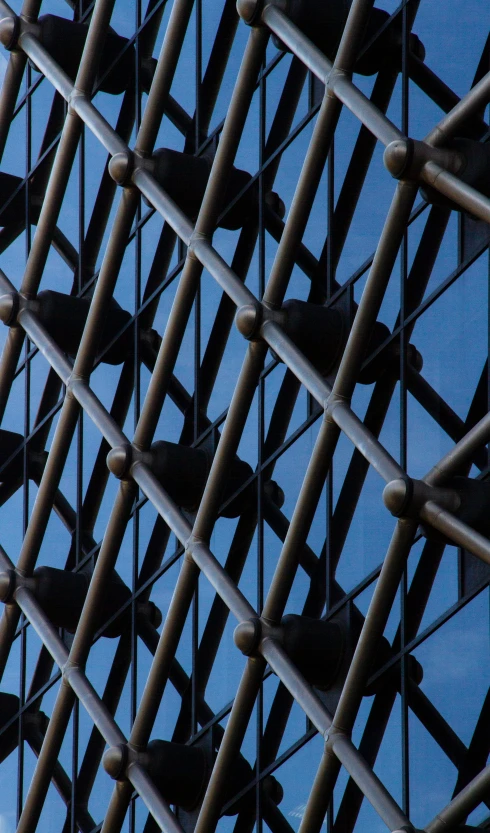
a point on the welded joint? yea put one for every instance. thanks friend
(195, 239)
(192, 542)
(67, 670)
(74, 381)
(331, 79)
(406, 497)
(75, 95)
(406, 159)
(332, 735)
(332, 402)
(251, 10)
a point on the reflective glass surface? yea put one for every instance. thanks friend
(244, 396)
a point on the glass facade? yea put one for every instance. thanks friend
(244, 395)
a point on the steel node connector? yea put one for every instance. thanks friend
(250, 11)
(9, 32)
(115, 761)
(397, 496)
(7, 585)
(398, 157)
(9, 304)
(121, 167)
(247, 636)
(248, 320)
(119, 461)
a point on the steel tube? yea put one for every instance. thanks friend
(474, 101)
(235, 421)
(468, 198)
(459, 532)
(372, 296)
(302, 202)
(224, 586)
(338, 82)
(303, 369)
(75, 683)
(230, 745)
(164, 654)
(157, 805)
(375, 792)
(9, 92)
(461, 453)
(205, 224)
(358, 674)
(118, 805)
(463, 804)
(300, 523)
(46, 762)
(294, 681)
(365, 442)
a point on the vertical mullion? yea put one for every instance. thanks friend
(197, 362)
(136, 407)
(261, 431)
(27, 391)
(403, 436)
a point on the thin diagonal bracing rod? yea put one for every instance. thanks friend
(202, 557)
(69, 416)
(322, 394)
(56, 188)
(462, 805)
(32, 276)
(167, 356)
(75, 681)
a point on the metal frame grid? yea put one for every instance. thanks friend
(69, 404)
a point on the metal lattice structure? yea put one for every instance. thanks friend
(142, 482)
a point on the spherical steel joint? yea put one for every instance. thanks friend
(248, 320)
(119, 461)
(247, 636)
(9, 307)
(9, 32)
(7, 585)
(115, 761)
(397, 496)
(398, 157)
(121, 167)
(250, 11)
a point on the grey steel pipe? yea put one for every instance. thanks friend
(339, 743)
(460, 454)
(231, 743)
(75, 683)
(459, 532)
(205, 224)
(375, 792)
(337, 81)
(300, 523)
(463, 804)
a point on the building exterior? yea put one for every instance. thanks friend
(244, 513)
